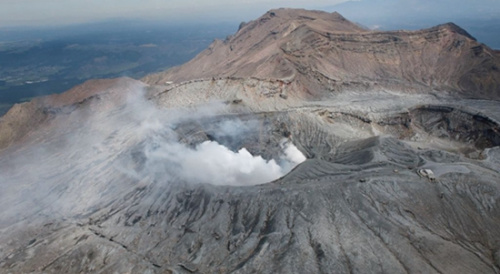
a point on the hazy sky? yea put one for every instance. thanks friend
(54, 12)
(33, 12)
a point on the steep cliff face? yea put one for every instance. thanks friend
(302, 144)
(325, 52)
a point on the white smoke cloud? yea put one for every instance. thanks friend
(213, 163)
(97, 153)
(293, 154)
(208, 162)
(111, 148)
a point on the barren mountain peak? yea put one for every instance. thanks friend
(457, 29)
(304, 14)
(283, 20)
(324, 51)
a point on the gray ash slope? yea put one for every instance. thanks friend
(92, 181)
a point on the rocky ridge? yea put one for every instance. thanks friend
(319, 51)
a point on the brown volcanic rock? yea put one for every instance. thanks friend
(255, 50)
(90, 89)
(325, 51)
(19, 121)
(23, 118)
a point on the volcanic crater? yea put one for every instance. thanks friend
(301, 144)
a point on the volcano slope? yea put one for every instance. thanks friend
(199, 169)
